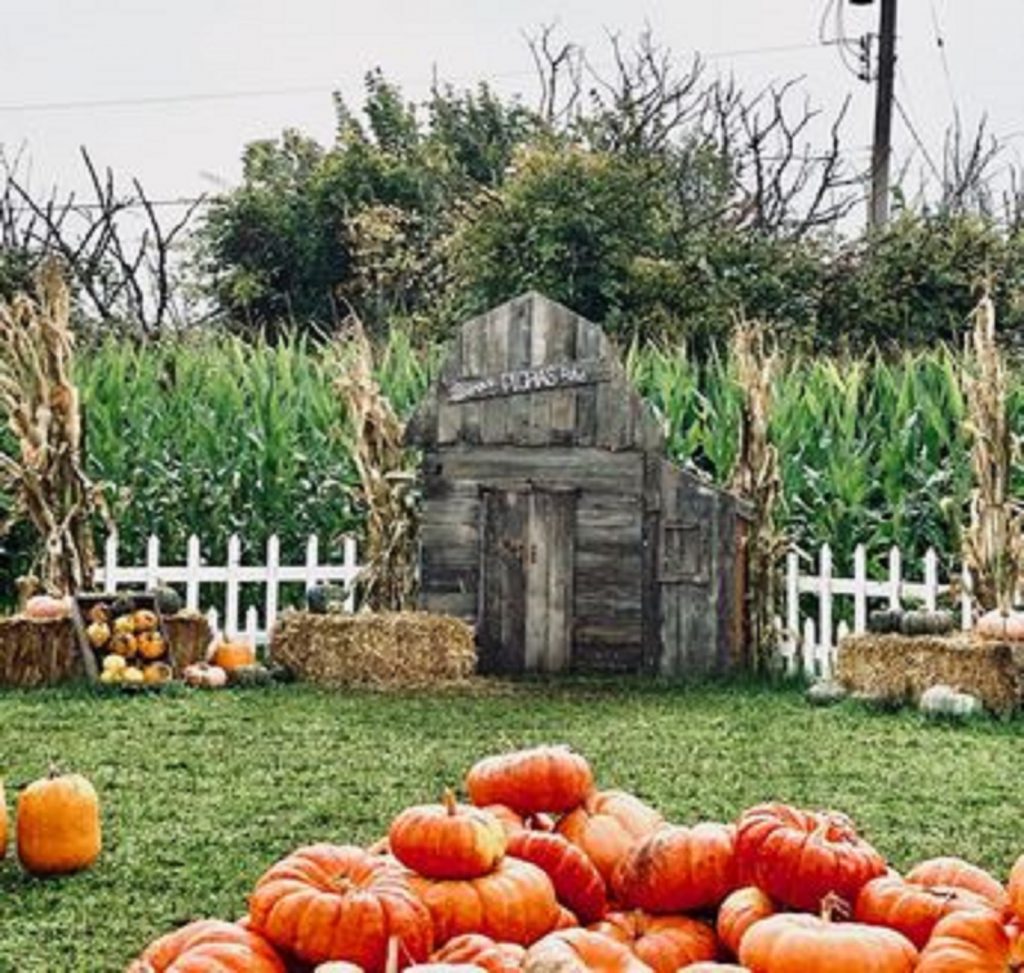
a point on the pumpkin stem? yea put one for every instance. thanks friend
(449, 802)
(391, 963)
(54, 772)
(834, 906)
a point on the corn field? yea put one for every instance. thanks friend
(214, 435)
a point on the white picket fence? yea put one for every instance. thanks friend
(194, 575)
(809, 639)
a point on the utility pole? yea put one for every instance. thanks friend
(882, 145)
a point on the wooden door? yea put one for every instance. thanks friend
(526, 559)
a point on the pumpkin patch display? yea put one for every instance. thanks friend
(679, 869)
(799, 857)
(541, 779)
(607, 825)
(338, 902)
(209, 944)
(578, 884)
(664, 943)
(58, 825)
(447, 840)
(515, 903)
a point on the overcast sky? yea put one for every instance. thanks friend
(66, 66)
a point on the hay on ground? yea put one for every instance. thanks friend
(902, 667)
(375, 649)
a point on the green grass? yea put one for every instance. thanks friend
(201, 792)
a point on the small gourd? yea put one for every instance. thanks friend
(44, 607)
(927, 623)
(883, 621)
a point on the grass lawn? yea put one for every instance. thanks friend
(201, 792)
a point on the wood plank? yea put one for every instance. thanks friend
(538, 565)
(456, 603)
(539, 431)
(517, 420)
(588, 346)
(473, 350)
(561, 346)
(494, 411)
(501, 626)
(561, 574)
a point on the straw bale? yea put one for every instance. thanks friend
(901, 667)
(37, 652)
(402, 649)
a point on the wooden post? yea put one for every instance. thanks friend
(860, 592)
(192, 564)
(152, 561)
(351, 571)
(793, 597)
(895, 578)
(312, 560)
(110, 563)
(825, 602)
(966, 601)
(273, 563)
(809, 648)
(931, 579)
(231, 595)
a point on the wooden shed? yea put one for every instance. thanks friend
(552, 520)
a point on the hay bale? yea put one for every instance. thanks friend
(374, 649)
(901, 667)
(37, 652)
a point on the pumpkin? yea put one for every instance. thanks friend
(98, 634)
(481, 951)
(156, 674)
(125, 624)
(790, 942)
(567, 919)
(530, 781)
(1015, 890)
(515, 903)
(608, 825)
(204, 675)
(996, 625)
(166, 599)
(144, 620)
(664, 943)
(133, 676)
(580, 950)
(968, 942)
(150, 645)
(714, 968)
(508, 818)
(231, 655)
(447, 840)
(45, 607)
(578, 884)
(679, 869)
(950, 872)
(336, 966)
(740, 910)
(124, 644)
(209, 944)
(912, 909)
(800, 857)
(337, 902)
(927, 622)
(58, 825)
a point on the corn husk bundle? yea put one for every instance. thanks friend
(39, 401)
(756, 478)
(399, 649)
(374, 437)
(37, 652)
(994, 539)
(903, 668)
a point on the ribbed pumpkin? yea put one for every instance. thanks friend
(531, 781)
(956, 873)
(447, 840)
(912, 909)
(337, 902)
(740, 910)
(508, 818)
(58, 825)
(46, 607)
(482, 951)
(809, 944)
(679, 869)
(664, 943)
(578, 884)
(580, 950)
(800, 857)
(209, 946)
(714, 968)
(968, 942)
(1015, 890)
(230, 655)
(608, 825)
(515, 903)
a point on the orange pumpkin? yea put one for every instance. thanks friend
(230, 655)
(46, 608)
(150, 645)
(578, 884)
(481, 951)
(1015, 890)
(579, 950)
(664, 943)
(447, 840)
(515, 903)
(968, 942)
(912, 909)
(531, 781)
(790, 942)
(508, 818)
(679, 869)
(801, 857)
(996, 625)
(58, 825)
(740, 910)
(714, 968)
(209, 945)
(608, 825)
(956, 873)
(337, 902)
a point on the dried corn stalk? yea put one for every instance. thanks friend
(44, 476)
(374, 438)
(994, 540)
(756, 479)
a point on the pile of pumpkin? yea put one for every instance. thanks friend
(545, 874)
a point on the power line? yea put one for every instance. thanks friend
(917, 138)
(940, 42)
